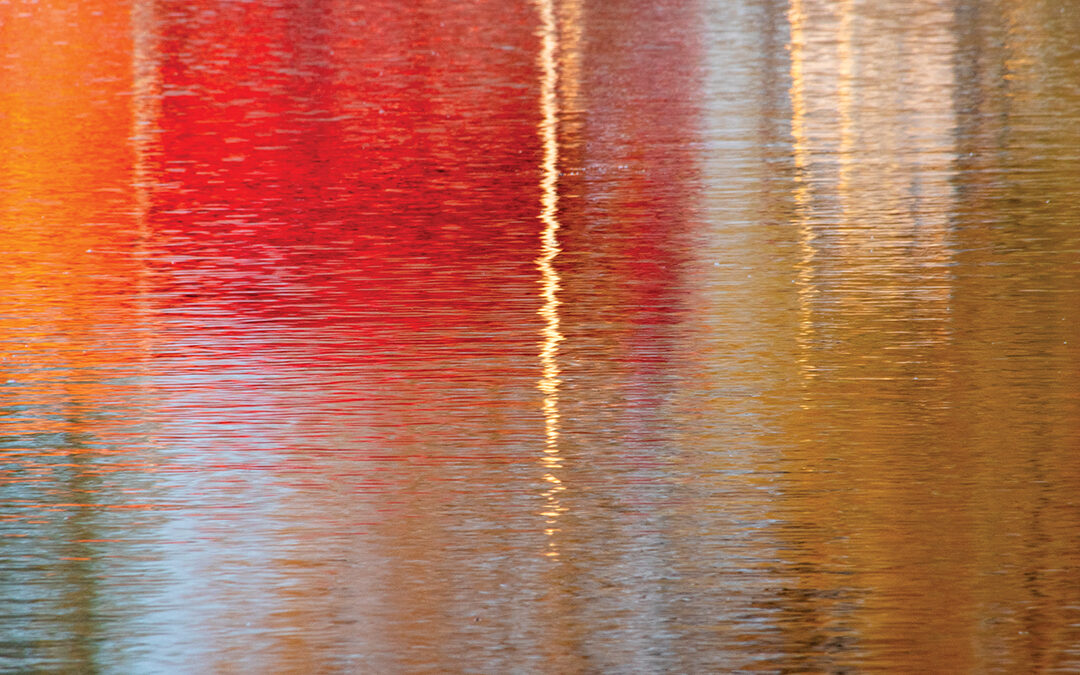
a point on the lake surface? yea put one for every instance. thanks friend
(562, 336)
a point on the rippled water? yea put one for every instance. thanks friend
(562, 336)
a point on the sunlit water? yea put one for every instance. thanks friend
(562, 336)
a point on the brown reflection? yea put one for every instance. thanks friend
(1015, 222)
(873, 148)
(911, 128)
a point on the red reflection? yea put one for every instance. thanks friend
(322, 164)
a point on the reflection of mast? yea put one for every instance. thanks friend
(802, 196)
(146, 104)
(549, 249)
(146, 109)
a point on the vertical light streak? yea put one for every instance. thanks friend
(804, 276)
(146, 111)
(570, 37)
(846, 104)
(145, 103)
(549, 277)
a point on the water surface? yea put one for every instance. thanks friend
(556, 336)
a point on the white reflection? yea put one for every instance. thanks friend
(873, 148)
(801, 193)
(549, 277)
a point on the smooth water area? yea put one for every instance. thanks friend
(551, 336)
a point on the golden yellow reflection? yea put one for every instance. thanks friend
(804, 276)
(873, 138)
(549, 277)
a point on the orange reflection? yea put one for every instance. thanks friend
(73, 342)
(802, 192)
(70, 287)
